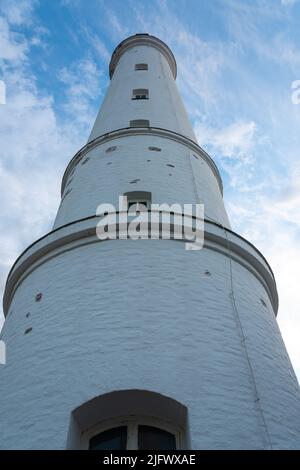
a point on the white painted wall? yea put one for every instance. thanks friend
(143, 314)
(164, 107)
(105, 176)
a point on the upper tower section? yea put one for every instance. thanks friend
(142, 92)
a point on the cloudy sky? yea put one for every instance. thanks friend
(236, 60)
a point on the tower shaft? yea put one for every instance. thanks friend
(144, 332)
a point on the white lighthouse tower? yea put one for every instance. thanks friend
(132, 344)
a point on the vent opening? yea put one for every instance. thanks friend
(139, 123)
(141, 67)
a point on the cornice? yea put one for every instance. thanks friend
(81, 232)
(142, 40)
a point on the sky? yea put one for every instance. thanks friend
(237, 61)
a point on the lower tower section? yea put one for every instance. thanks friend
(197, 328)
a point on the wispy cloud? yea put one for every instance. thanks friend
(288, 2)
(82, 84)
(12, 46)
(234, 141)
(18, 12)
(95, 42)
(36, 142)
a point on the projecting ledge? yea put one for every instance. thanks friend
(142, 40)
(81, 232)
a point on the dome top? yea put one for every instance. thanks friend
(143, 39)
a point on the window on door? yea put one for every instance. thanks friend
(112, 439)
(136, 434)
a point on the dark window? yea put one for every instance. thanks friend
(137, 204)
(155, 149)
(112, 439)
(140, 94)
(138, 197)
(151, 438)
(141, 66)
(139, 123)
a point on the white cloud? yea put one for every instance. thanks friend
(19, 12)
(288, 2)
(36, 145)
(96, 43)
(12, 47)
(117, 27)
(234, 141)
(82, 82)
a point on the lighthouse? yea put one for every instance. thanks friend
(139, 343)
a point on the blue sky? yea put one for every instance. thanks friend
(236, 64)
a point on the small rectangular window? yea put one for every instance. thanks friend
(138, 205)
(140, 94)
(139, 123)
(137, 198)
(141, 66)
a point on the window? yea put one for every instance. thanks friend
(140, 94)
(135, 198)
(112, 439)
(139, 123)
(136, 433)
(141, 67)
(137, 206)
(155, 438)
(154, 149)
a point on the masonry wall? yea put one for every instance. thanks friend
(163, 109)
(175, 334)
(145, 314)
(175, 174)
